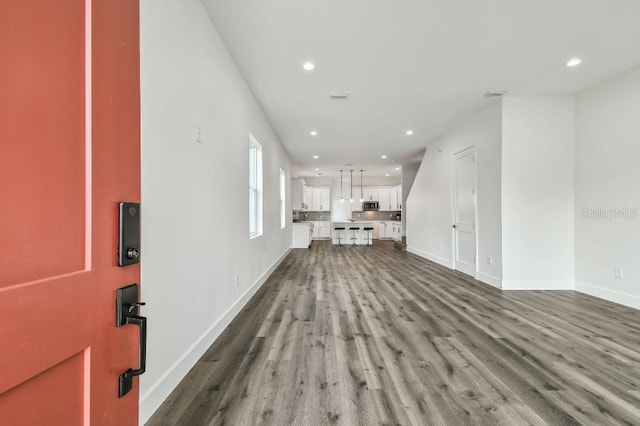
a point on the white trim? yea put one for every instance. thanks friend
(608, 294)
(489, 279)
(432, 257)
(159, 391)
(537, 285)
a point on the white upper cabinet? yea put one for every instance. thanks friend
(399, 197)
(318, 198)
(298, 196)
(370, 193)
(384, 199)
(393, 198)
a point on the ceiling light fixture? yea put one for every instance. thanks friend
(315, 157)
(341, 195)
(317, 169)
(351, 183)
(387, 175)
(308, 66)
(383, 156)
(397, 168)
(409, 132)
(361, 193)
(573, 62)
(313, 133)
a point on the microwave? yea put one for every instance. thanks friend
(368, 206)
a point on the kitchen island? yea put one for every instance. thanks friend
(361, 237)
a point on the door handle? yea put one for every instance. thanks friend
(127, 306)
(125, 381)
(454, 226)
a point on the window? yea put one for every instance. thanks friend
(255, 188)
(283, 182)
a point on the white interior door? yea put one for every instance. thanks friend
(464, 215)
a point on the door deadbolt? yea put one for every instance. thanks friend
(133, 254)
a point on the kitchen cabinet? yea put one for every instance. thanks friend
(298, 195)
(388, 198)
(308, 196)
(390, 230)
(370, 193)
(318, 198)
(396, 230)
(301, 235)
(384, 199)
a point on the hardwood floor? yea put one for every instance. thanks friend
(373, 335)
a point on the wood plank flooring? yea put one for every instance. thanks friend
(377, 336)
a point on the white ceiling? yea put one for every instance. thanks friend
(411, 64)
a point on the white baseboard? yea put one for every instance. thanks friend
(537, 285)
(608, 294)
(432, 257)
(489, 279)
(159, 391)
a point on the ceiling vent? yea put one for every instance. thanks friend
(495, 93)
(340, 95)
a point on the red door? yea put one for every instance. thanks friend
(69, 152)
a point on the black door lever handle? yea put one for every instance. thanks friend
(127, 305)
(125, 382)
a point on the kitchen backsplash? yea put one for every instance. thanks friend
(389, 215)
(302, 215)
(310, 216)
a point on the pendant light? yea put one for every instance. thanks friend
(341, 195)
(361, 193)
(351, 183)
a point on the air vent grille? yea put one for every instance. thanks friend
(340, 95)
(495, 93)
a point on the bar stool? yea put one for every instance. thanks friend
(369, 231)
(353, 230)
(339, 230)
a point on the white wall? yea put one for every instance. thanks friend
(409, 173)
(195, 234)
(429, 204)
(537, 193)
(607, 177)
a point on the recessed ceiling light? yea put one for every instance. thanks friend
(383, 156)
(315, 157)
(313, 133)
(317, 169)
(409, 132)
(397, 168)
(573, 62)
(308, 66)
(387, 175)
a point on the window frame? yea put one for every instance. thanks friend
(256, 188)
(283, 199)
